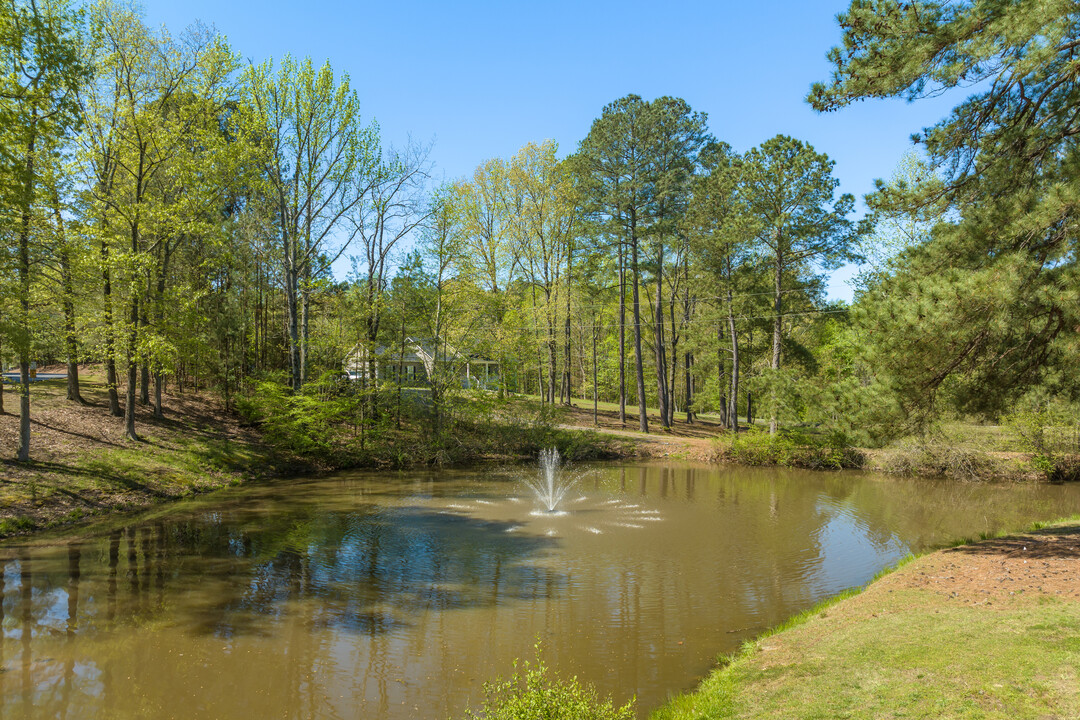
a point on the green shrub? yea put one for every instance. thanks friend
(1044, 434)
(792, 448)
(341, 425)
(534, 692)
(938, 458)
(11, 526)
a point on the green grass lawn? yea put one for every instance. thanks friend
(909, 647)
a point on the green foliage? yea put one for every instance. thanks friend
(535, 692)
(307, 423)
(334, 423)
(792, 448)
(14, 526)
(986, 309)
(1045, 433)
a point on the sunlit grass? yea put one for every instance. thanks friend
(902, 652)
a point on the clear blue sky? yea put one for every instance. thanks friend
(482, 79)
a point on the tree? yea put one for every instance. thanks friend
(614, 163)
(897, 229)
(677, 135)
(544, 233)
(721, 235)
(394, 208)
(41, 70)
(992, 300)
(160, 90)
(442, 248)
(319, 161)
(802, 227)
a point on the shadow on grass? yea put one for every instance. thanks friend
(1045, 543)
(93, 471)
(91, 438)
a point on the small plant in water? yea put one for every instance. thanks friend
(552, 483)
(535, 692)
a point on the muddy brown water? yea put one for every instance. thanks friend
(396, 596)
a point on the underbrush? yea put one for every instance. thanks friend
(335, 426)
(939, 459)
(790, 448)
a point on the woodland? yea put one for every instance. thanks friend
(172, 216)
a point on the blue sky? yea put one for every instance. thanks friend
(482, 79)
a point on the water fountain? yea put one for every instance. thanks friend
(552, 484)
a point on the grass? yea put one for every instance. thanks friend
(898, 649)
(82, 466)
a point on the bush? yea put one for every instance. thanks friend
(792, 448)
(1045, 435)
(340, 425)
(533, 692)
(937, 459)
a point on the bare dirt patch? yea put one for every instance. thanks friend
(693, 441)
(1041, 563)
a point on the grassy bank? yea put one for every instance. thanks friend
(82, 465)
(983, 630)
(957, 450)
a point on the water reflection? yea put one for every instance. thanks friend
(378, 597)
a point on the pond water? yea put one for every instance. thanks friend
(363, 595)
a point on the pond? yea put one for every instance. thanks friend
(364, 595)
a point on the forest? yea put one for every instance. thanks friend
(174, 216)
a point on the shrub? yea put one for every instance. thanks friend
(793, 448)
(1041, 432)
(936, 458)
(533, 692)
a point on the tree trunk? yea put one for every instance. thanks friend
(293, 320)
(552, 347)
(595, 332)
(133, 337)
(68, 291)
(24, 299)
(660, 351)
(144, 322)
(566, 359)
(144, 382)
(622, 333)
(689, 357)
(643, 417)
(305, 307)
(721, 381)
(733, 411)
(749, 395)
(133, 368)
(111, 379)
(159, 411)
(159, 317)
(777, 336)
